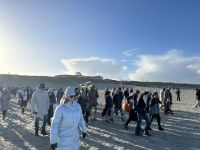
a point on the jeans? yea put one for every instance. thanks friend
(139, 121)
(37, 119)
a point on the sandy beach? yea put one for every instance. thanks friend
(182, 130)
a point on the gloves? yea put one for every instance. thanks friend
(54, 146)
(84, 135)
(34, 113)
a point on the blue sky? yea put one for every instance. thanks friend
(113, 38)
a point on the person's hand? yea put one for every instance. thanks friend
(34, 112)
(54, 146)
(84, 135)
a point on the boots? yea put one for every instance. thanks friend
(22, 110)
(36, 133)
(159, 125)
(43, 132)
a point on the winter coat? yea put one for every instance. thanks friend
(92, 97)
(4, 100)
(59, 95)
(154, 106)
(198, 94)
(162, 96)
(81, 101)
(40, 103)
(67, 121)
(52, 99)
(117, 101)
(168, 95)
(109, 102)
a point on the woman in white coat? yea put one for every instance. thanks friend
(67, 121)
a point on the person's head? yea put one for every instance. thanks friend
(155, 94)
(137, 92)
(107, 93)
(50, 91)
(77, 91)
(41, 86)
(70, 94)
(131, 91)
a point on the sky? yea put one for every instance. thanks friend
(138, 40)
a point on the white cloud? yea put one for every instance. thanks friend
(172, 66)
(106, 67)
(129, 52)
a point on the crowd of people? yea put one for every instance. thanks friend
(67, 112)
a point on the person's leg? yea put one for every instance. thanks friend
(95, 113)
(158, 120)
(195, 105)
(36, 119)
(50, 114)
(146, 129)
(87, 117)
(4, 114)
(138, 126)
(151, 119)
(130, 118)
(44, 125)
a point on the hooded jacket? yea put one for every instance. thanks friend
(67, 121)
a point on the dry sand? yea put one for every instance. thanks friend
(182, 131)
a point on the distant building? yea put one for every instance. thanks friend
(78, 74)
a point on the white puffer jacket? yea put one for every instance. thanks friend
(67, 121)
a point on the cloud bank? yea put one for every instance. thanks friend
(106, 67)
(172, 66)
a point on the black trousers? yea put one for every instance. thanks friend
(178, 98)
(157, 116)
(50, 114)
(132, 117)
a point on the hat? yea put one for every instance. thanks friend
(69, 92)
(42, 86)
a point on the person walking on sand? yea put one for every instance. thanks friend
(141, 113)
(66, 122)
(132, 99)
(197, 99)
(52, 102)
(162, 97)
(23, 99)
(4, 101)
(107, 111)
(168, 102)
(117, 101)
(154, 110)
(92, 96)
(178, 94)
(59, 95)
(39, 107)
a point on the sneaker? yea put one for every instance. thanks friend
(149, 128)
(126, 126)
(160, 128)
(138, 134)
(43, 133)
(36, 134)
(147, 134)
